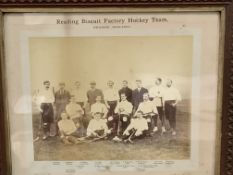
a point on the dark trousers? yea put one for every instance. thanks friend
(80, 121)
(113, 124)
(47, 116)
(160, 112)
(151, 120)
(112, 105)
(60, 107)
(122, 125)
(170, 113)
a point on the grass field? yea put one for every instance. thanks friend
(151, 148)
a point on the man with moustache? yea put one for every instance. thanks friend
(171, 98)
(149, 111)
(45, 99)
(111, 98)
(123, 111)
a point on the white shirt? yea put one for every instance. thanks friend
(124, 107)
(147, 107)
(111, 94)
(99, 107)
(79, 94)
(74, 110)
(67, 126)
(157, 93)
(45, 96)
(95, 125)
(172, 94)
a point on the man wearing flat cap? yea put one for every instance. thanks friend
(93, 93)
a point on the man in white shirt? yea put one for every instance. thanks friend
(149, 111)
(68, 130)
(99, 107)
(45, 100)
(97, 126)
(79, 94)
(137, 128)
(111, 98)
(156, 94)
(171, 98)
(123, 110)
(75, 112)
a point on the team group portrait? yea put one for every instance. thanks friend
(130, 105)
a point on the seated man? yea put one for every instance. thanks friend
(68, 130)
(150, 113)
(123, 111)
(75, 112)
(136, 129)
(97, 126)
(99, 107)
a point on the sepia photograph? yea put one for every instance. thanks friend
(111, 98)
(118, 95)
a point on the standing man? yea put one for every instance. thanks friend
(171, 98)
(156, 94)
(126, 90)
(62, 98)
(111, 98)
(93, 93)
(138, 94)
(79, 94)
(149, 112)
(45, 100)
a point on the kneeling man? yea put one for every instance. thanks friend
(97, 126)
(136, 129)
(75, 112)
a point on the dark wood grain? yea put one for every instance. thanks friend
(52, 3)
(227, 100)
(227, 112)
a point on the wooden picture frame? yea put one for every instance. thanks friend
(224, 7)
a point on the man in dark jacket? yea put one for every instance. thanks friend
(62, 98)
(127, 91)
(138, 95)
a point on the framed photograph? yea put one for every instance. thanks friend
(116, 87)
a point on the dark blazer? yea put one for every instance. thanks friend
(62, 98)
(128, 92)
(138, 97)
